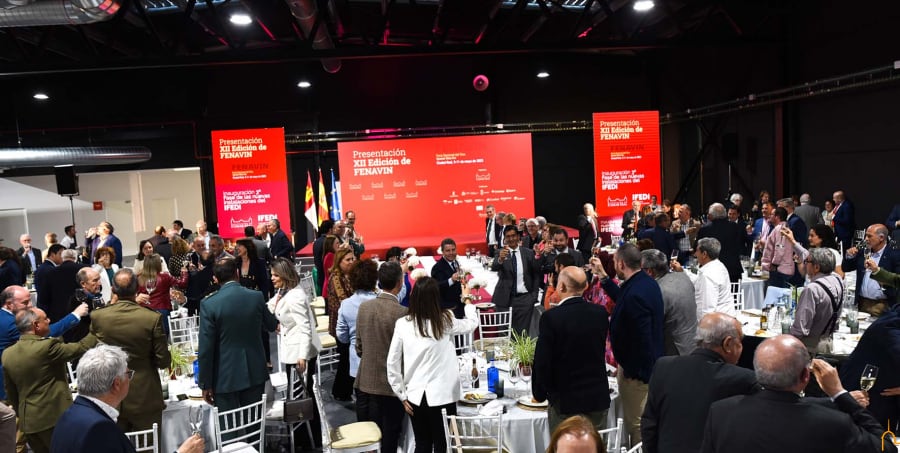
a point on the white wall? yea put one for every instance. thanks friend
(134, 202)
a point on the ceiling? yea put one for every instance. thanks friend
(178, 32)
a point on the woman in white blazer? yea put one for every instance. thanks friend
(105, 257)
(300, 344)
(421, 365)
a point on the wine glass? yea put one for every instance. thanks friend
(150, 286)
(867, 380)
(513, 375)
(674, 254)
(526, 377)
(195, 414)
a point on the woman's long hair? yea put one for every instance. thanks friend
(284, 269)
(140, 255)
(826, 234)
(425, 309)
(151, 269)
(338, 257)
(250, 246)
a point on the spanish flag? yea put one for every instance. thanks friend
(323, 200)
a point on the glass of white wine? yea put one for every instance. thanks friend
(867, 380)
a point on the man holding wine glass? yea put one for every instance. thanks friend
(870, 296)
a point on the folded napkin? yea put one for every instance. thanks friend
(492, 408)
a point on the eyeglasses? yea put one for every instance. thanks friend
(130, 374)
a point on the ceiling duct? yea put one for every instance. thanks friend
(72, 155)
(22, 13)
(307, 14)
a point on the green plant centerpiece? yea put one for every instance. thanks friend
(523, 348)
(181, 359)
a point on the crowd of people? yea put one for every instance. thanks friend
(669, 336)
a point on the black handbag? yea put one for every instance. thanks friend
(299, 410)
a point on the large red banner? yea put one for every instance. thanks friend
(419, 191)
(626, 163)
(251, 179)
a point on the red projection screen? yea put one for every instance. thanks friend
(251, 179)
(626, 163)
(410, 192)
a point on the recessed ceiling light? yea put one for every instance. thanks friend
(304, 84)
(643, 5)
(543, 75)
(41, 96)
(240, 19)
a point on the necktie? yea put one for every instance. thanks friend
(512, 259)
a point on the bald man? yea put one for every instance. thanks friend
(871, 297)
(683, 387)
(778, 419)
(570, 359)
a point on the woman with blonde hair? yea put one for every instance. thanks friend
(299, 342)
(180, 251)
(156, 283)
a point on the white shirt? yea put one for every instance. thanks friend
(870, 289)
(712, 289)
(520, 271)
(418, 365)
(109, 410)
(67, 242)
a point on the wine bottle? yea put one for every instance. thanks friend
(475, 377)
(764, 320)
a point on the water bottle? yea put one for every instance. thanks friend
(493, 375)
(197, 372)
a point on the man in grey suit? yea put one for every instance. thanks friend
(811, 215)
(679, 306)
(262, 248)
(519, 277)
(233, 369)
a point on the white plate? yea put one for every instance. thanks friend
(195, 393)
(480, 397)
(484, 305)
(525, 400)
(863, 316)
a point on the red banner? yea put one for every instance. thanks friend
(626, 163)
(419, 191)
(251, 179)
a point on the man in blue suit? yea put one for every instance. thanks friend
(15, 298)
(103, 236)
(635, 331)
(893, 223)
(844, 219)
(233, 368)
(89, 425)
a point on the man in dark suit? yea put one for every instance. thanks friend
(870, 296)
(569, 361)
(663, 240)
(844, 219)
(103, 236)
(588, 229)
(59, 286)
(795, 223)
(180, 230)
(635, 331)
(519, 278)
(31, 256)
(280, 245)
(730, 235)
(493, 230)
(778, 419)
(161, 244)
(54, 258)
(893, 223)
(683, 387)
(630, 219)
(879, 346)
(262, 248)
(140, 332)
(34, 375)
(87, 426)
(446, 272)
(559, 240)
(233, 369)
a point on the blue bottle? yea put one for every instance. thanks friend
(197, 372)
(493, 375)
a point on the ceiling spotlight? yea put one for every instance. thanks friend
(304, 84)
(41, 96)
(643, 5)
(543, 75)
(240, 19)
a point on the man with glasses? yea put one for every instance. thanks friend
(89, 425)
(519, 277)
(140, 332)
(34, 374)
(819, 306)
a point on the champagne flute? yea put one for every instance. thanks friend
(867, 380)
(674, 254)
(195, 413)
(513, 375)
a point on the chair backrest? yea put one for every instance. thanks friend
(326, 427)
(738, 295)
(477, 433)
(296, 385)
(71, 373)
(245, 424)
(495, 325)
(328, 360)
(462, 342)
(613, 436)
(637, 448)
(146, 440)
(184, 330)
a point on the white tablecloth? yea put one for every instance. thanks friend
(176, 426)
(754, 291)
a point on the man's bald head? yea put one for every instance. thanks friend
(781, 363)
(720, 333)
(125, 284)
(15, 298)
(572, 282)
